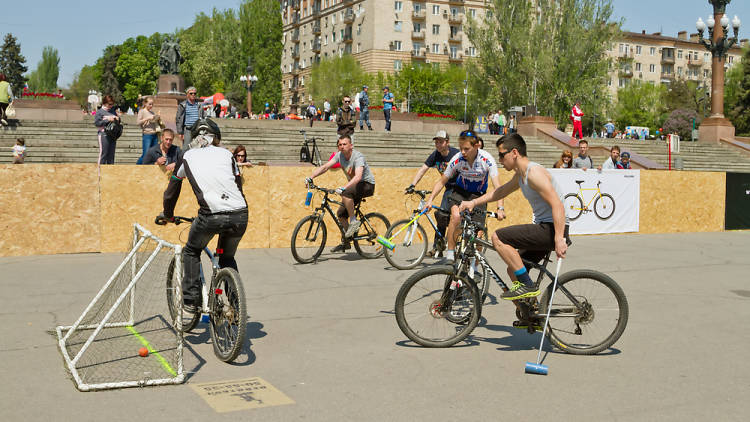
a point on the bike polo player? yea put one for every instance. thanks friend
(360, 184)
(473, 167)
(216, 182)
(549, 230)
(439, 160)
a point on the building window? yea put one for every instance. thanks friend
(637, 67)
(473, 13)
(472, 52)
(333, 37)
(638, 50)
(652, 51)
(679, 70)
(417, 7)
(397, 26)
(707, 57)
(454, 52)
(679, 54)
(652, 68)
(436, 48)
(705, 73)
(667, 69)
(397, 45)
(397, 65)
(435, 29)
(417, 27)
(398, 6)
(333, 19)
(359, 29)
(623, 82)
(435, 10)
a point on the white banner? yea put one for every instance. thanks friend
(606, 201)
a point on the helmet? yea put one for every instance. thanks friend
(205, 126)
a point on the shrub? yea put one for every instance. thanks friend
(680, 122)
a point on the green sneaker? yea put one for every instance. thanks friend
(524, 325)
(520, 291)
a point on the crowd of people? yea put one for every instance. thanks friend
(583, 160)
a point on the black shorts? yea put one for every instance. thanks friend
(357, 192)
(478, 214)
(533, 241)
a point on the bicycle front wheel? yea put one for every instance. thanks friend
(366, 240)
(410, 244)
(228, 314)
(573, 206)
(431, 314)
(309, 239)
(174, 296)
(589, 312)
(604, 206)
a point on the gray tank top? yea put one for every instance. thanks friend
(542, 210)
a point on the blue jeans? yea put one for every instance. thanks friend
(230, 227)
(364, 116)
(149, 140)
(387, 114)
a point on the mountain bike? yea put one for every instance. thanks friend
(604, 203)
(223, 302)
(309, 153)
(440, 306)
(310, 234)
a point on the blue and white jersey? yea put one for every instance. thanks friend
(472, 178)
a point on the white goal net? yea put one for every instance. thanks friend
(126, 336)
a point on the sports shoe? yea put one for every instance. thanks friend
(520, 291)
(4, 122)
(342, 247)
(369, 127)
(352, 230)
(524, 325)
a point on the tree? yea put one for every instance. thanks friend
(557, 56)
(640, 104)
(337, 77)
(44, 77)
(430, 89)
(104, 72)
(12, 63)
(83, 82)
(137, 68)
(738, 99)
(260, 32)
(681, 122)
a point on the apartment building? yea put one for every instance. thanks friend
(656, 58)
(382, 35)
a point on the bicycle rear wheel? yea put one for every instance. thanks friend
(589, 313)
(309, 239)
(411, 245)
(174, 295)
(604, 206)
(421, 311)
(228, 314)
(366, 240)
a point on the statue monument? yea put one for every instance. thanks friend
(170, 59)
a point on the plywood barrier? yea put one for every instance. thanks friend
(73, 208)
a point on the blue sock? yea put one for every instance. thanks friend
(523, 277)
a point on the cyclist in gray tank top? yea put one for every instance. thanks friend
(548, 232)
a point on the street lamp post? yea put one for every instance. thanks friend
(249, 79)
(717, 126)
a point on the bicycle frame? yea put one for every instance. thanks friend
(204, 286)
(598, 194)
(325, 207)
(314, 152)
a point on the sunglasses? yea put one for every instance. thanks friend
(502, 155)
(347, 102)
(191, 93)
(240, 155)
(467, 133)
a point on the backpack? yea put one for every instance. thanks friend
(113, 130)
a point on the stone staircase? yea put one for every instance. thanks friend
(76, 142)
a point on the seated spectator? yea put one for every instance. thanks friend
(624, 162)
(565, 161)
(240, 155)
(19, 151)
(165, 154)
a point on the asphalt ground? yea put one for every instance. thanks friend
(325, 336)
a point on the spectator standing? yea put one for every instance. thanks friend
(583, 161)
(19, 151)
(165, 154)
(103, 116)
(6, 97)
(312, 112)
(512, 124)
(387, 107)
(576, 114)
(624, 162)
(565, 161)
(345, 119)
(610, 128)
(275, 111)
(500, 122)
(364, 105)
(188, 112)
(614, 157)
(327, 110)
(149, 123)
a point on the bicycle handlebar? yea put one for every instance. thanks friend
(421, 193)
(162, 221)
(326, 190)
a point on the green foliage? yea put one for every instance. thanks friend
(12, 63)
(683, 94)
(337, 77)
(640, 104)
(137, 68)
(105, 75)
(44, 77)
(260, 33)
(737, 100)
(83, 82)
(561, 52)
(430, 89)
(680, 121)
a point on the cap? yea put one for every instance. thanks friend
(385, 87)
(364, 86)
(441, 134)
(625, 155)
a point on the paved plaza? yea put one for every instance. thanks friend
(325, 336)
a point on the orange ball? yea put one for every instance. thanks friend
(143, 351)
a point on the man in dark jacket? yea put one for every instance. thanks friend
(346, 119)
(188, 112)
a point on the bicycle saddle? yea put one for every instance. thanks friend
(580, 181)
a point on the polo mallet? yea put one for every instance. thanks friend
(388, 243)
(538, 368)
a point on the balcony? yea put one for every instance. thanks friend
(295, 36)
(417, 35)
(455, 38)
(625, 73)
(295, 70)
(667, 76)
(420, 54)
(296, 4)
(455, 19)
(667, 59)
(628, 54)
(316, 29)
(295, 52)
(347, 38)
(315, 12)
(694, 62)
(316, 47)
(295, 18)
(418, 15)
(458, 58)
(349, 16)
(456, 2)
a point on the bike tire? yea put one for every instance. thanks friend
(306, 251)
(403, 256)
(376, 224)
(174, 295)
(228, 322)
(603, 312)
(573, 206)
(420, 320)
(606, 211)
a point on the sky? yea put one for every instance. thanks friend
(80, 30)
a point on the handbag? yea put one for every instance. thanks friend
(10, 111)
(160, 126)
(113, 130)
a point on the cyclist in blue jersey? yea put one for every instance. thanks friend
(473, 168)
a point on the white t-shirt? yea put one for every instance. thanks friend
(474, 177)
(212, 174)
(19, 150)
